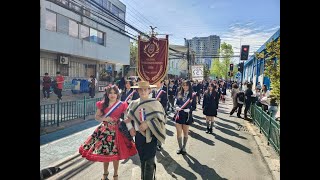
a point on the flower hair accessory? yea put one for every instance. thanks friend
(110, 86)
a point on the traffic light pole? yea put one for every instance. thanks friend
(242, 66)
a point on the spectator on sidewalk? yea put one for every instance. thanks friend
(107, 143)
(248, 97)
(92, 86)
(273, 106)
(234, 91)
(59, 81)
(265, 93)
(149, 127)
(240, 101)
(46, 86)
(209, 106)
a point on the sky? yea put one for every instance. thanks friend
(252, 22)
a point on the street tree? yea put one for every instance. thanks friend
(215, 70)
(272, 65)
(227, 52)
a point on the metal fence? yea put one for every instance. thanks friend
(268, 126)
(53, 114)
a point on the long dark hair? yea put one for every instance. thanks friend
(181, 91)
(125, 88)
(106, 98)
(213, 89)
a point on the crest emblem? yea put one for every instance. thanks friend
(151, 49)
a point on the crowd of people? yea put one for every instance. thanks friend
(133, 115)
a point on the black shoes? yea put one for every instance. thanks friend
(180, 151)
(159, 148)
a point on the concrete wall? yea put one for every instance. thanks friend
(115, 50)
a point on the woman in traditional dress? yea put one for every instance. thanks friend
(107, 143)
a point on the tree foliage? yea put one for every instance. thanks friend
(221, 68)
(272, 65)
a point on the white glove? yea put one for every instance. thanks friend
(178, 108)
(186, 110)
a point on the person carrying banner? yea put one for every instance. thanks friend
(129, 94)
(149, 127)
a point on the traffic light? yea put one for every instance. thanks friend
(244, 52)
(231, 67)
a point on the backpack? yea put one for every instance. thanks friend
(240, 97)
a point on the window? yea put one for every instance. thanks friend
(100, 38)
(51, 21)
(105, 4)
(62, 24)
(118, 12)
(73, 28)
(93, 35)
(84, 32)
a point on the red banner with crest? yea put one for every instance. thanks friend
(153, 59)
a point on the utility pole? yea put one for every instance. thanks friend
(188, 59)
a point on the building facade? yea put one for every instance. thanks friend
(82, 38)
(204, 47)
(177, 63)
(254, 68)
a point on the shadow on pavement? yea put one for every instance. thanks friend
(170, 122)
(201, 138)
(229, 132)
(226, 120)
(199, 117)
(203, 170)
(135, 160)
(199, 122)
(201, 128)
(75, 171)
(47, 138)
(169, 133)
(222, 111)
(233, 143)
(167, 161)
(226, 125)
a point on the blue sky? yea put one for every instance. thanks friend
(252, 21)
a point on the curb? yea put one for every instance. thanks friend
(272, 166)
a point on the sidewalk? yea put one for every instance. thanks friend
(67, 96)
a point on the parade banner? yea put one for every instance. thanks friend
(152, 59)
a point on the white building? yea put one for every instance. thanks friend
(81, 38)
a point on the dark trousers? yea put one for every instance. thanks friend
(147, 153)
(246, 109)
(58, 92)
(171, 102)
(239, 106)
(46, 92)
(92, 92)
